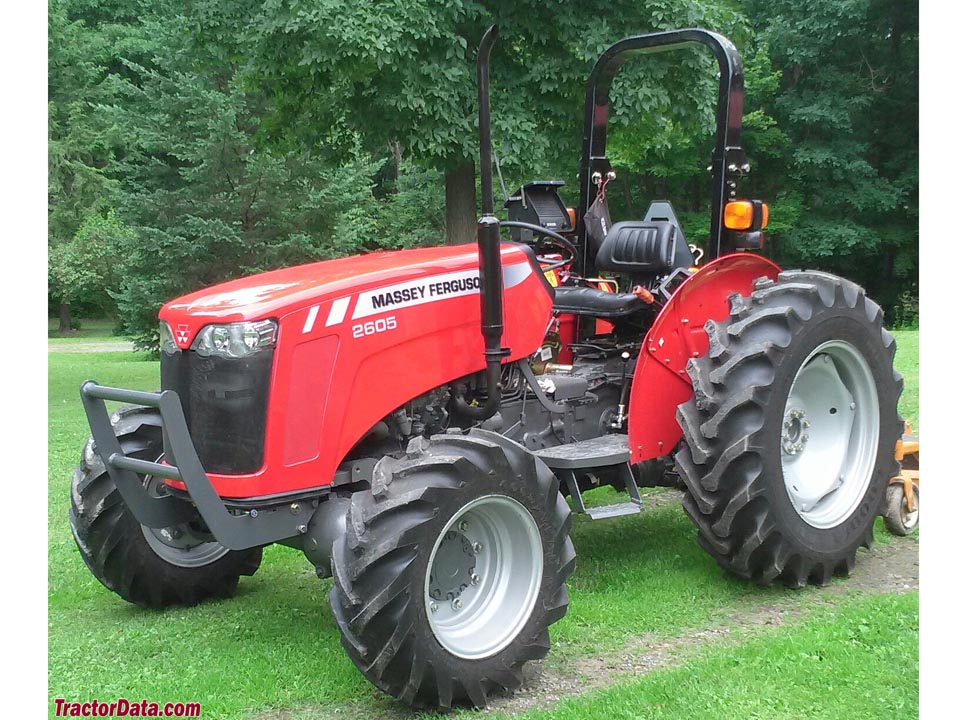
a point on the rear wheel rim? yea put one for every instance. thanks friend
(483, 577)
(829, 434)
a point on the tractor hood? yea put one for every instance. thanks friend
(281, 292)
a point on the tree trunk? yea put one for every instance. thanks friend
(461, 215)
(396, 152)
(66, 323)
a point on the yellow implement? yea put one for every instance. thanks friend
(902, 514)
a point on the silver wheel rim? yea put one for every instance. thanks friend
(180, 545)
(829, 434)
(483, 577)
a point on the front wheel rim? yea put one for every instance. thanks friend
(182, 545)
(483, 577)
(829, 434)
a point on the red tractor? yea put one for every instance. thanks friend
(420, 423)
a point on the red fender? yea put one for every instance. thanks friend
(660, 381)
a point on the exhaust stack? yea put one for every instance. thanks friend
(488, 242)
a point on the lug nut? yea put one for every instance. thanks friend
(434, 607)
(463, 525)
(457, 604)
(477, 547)
(474, 579)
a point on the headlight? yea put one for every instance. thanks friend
(167, 343)
(236, 340)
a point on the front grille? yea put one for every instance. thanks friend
(225, 403)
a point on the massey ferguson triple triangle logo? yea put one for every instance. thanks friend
(183, 335)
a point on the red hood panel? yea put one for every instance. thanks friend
(282, 291)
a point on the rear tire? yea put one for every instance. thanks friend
(791, 431)
(452, 568)
(147, 567)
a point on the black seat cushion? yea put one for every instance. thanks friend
(588, 301)
(639, 247)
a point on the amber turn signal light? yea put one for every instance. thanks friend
(745, 215)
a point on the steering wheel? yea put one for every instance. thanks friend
(554, 239)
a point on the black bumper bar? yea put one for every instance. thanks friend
(249, 528)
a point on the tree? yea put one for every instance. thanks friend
(403, 70)
(848, 102)
(78, 159)
(88, 41)
(83, 269)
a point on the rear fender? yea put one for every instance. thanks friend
(660, 381)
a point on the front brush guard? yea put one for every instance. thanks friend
(251, 528)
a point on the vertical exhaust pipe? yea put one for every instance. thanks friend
(488, 242)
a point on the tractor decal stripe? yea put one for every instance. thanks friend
(311, 319)
(431, 289)
(338, 311)
(513, 275)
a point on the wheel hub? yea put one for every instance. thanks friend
(454, 567)
(183, 545)
(483, 577)
(795, 431)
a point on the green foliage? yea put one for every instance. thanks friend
(83, 269)
(232, 137)
(848, 104)
(402, 70)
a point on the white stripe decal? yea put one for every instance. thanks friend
(338, 311)
(311, 319)
(515, 274)
(432, 289)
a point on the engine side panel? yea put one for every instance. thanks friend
(660, 381)
(350, 358)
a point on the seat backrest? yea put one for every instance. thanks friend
(634, 247)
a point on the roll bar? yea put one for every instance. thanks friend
(728, 160)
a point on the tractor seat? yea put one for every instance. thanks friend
(596, 303)
(644, 247)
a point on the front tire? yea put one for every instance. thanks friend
(791, 431)
(153, 568)
(452, 568)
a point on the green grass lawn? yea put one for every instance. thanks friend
(276, 645)
(908, 363)
(857, 660)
